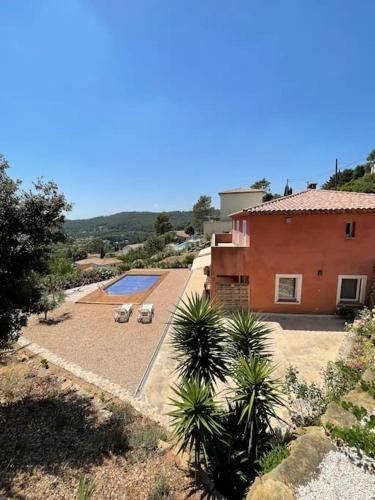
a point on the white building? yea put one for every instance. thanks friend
(232, 201)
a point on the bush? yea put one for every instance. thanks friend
(355, 437)
(273, 458)
(364, 324)
(368, 387)
(161, 489)
(143, 438)
(121, 413)
(340, 377)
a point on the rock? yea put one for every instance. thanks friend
(182, 460)
(300, 431)
(268, 489)
(306, 453)
(369, 375)
(360, 398)
(336, 415)
(163, 445)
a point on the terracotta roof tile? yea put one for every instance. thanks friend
(315, 201)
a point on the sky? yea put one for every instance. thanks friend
(147, 104)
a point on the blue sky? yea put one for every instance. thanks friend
(146, 104)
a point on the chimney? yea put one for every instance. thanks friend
(311, 185)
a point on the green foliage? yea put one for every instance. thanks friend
(355, 437)
(60, 266)
(123, 413)
(262, 184)
(30, 223)
(44, 363)
(358, 411)
(196, 418)
(340, 377)
(258, 396)
(86, 488)
(248, 335)
(162, 224)
(273, 458)
(161, 489)
(143, 438)
(368, 387)
(50, 298)
(201, 210)
(365, 184)
(307, 401)
(198, 338)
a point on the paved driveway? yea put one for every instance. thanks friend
(306, 342)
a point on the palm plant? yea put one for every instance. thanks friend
(257, 397)
(196, 418)
(199, 340)
(86, 488)
(248, 335)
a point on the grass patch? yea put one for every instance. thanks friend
(86, 488)
(273, 458)
(368, 387)
(161, 489)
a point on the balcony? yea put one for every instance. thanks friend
(222, 240)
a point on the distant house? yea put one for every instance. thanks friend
(309, 252)
(96, 262)
(127, 248)
(232, 201)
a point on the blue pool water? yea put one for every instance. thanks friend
(132, 283)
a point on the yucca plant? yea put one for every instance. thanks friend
(196, 418)
(257, 396)
(86, 488)
(248, 335)
(199, 340)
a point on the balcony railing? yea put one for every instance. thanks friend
(221, 239)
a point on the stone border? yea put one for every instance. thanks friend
(96, 380)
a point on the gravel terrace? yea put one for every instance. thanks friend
(339, 479)
(86, 334)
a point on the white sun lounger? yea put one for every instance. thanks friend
(146, 313)
(123, 313)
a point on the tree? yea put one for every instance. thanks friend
(262, 184)
(201, 210)
(30, 222)
(102, 253)
(189, 229)
(49, 300)
(162, 224)
(365, 184)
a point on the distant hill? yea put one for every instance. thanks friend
(133, 226)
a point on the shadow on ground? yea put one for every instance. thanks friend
(53, 433)
(57, 320)
(308, 323)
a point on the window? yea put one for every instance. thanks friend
(351, 289)
(288, 288)
(244, 233)
(237, 232)
(350, 230)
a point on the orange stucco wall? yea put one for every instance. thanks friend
(306, 245)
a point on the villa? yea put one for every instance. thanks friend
(309, 252)
(96, 262)
(231, 201)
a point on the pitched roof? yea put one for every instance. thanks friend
(316, 201)
(242, 190)
(106, 261)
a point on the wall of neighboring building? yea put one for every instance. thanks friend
(314, 246)
(216, 226)
(234, 202)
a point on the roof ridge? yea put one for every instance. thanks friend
(341, 192)
(276, 199)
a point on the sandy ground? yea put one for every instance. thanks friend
(86, 334)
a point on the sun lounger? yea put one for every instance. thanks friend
(123, 313)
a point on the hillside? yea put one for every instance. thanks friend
(134, 226)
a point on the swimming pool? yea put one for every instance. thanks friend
(132, 283)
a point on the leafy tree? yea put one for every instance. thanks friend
(162, 224)
(49, 300)
(198, 338)
(365, 184)
(189, 229)
(30, 222)
(102, 253)
(60, 266)
(201, 210)
(371, 156)
(262, 184)
(78, 254)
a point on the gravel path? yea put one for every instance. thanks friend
(339, 479)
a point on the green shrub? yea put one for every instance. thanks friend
(368, 387)
(355, 437)
(273, 458)
(123, 414)
(86, 488)
(44, 363)
(340, 377)
(143, 438)
(358, 411)
(161, 489)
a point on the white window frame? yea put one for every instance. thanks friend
(244, 233)
(361, 289)
(238, 231)
(298, 278)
